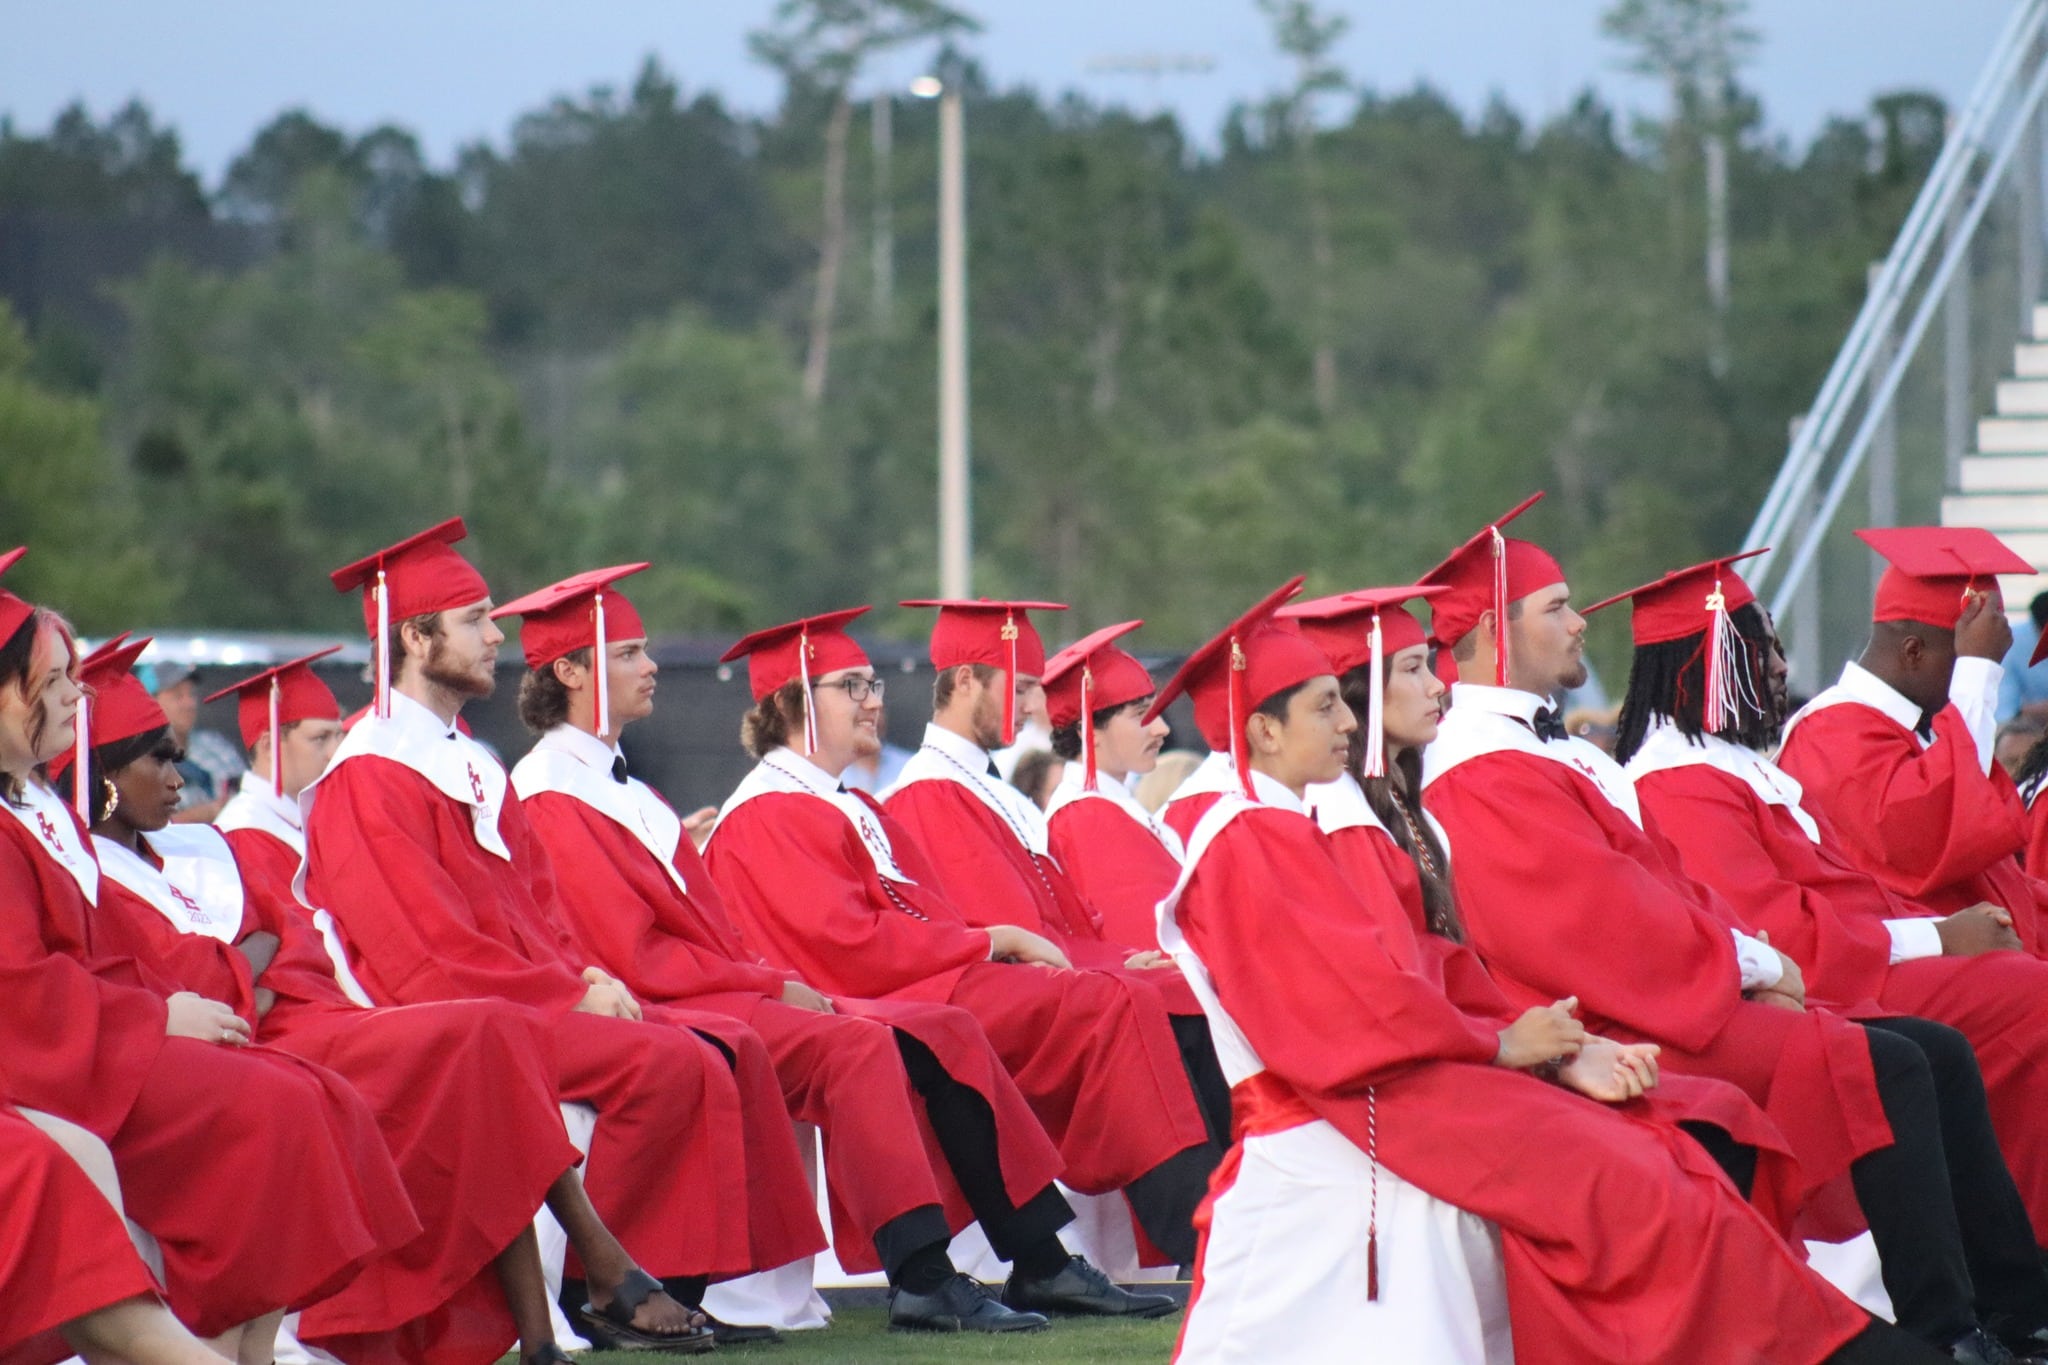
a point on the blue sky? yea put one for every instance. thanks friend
(459, 70)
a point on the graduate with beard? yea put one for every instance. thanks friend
(1621, 1240)
(1566, 886)
(438, 890)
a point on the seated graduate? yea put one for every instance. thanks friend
(1349, 1061)
(1122, 857)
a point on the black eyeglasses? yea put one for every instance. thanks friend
(858, 689)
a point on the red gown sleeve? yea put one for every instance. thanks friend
(384, 862)
(1919, 819)
(790, 869)
(79, 1042)
(1117, 865)
(628, 910)
(1267, 903)
(1560, 902)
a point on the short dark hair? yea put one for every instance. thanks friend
(1276, 705)
(765, 729)
(1066, 740)
(1467, 644)
(2038, 609)
(942, 684)
(544, 698)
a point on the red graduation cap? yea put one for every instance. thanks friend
(277, 697)
(418, 575)
(1485, 574)
(1253, 658)
(115, 706)
(1364, 627)
(798, 651)
(1697, 601)
(580, 612)
(1088, 676)
(998, 634)
(1934, 569)
(13, 611)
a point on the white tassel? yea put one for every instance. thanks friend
(81, 761)
(1500, 607)
(1375, 732)
(803, 671)
(276, 740)
(383, 698)
(603, 664)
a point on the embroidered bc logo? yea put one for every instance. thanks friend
(476, 784)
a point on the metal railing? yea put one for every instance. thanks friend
(1952, 248)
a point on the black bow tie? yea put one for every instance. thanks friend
(994, 771)
(619, 770)
(1548, 725)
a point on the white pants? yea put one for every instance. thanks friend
(1284, 1270)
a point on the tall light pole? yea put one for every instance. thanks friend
(956, 531)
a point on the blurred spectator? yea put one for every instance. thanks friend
(1157, 786)
(2024, 689)
(2015, 738)
(212, 761)
(1037, 774)
(1594, 723)
(877, 772)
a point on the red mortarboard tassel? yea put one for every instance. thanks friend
(276, 757)
(803, 672)
(1375, 735)
(1240, 749)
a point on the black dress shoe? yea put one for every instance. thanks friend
(1981, 1348)
(1081, 1290)
(960, 1304)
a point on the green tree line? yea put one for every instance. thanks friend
(1331, 340)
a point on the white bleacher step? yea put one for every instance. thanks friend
(2041, 320)
(2022, 398)
(2012, 435)
(1997, 512)
(2003, 474)
(2030, 360)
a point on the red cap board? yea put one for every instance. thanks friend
(1364, 628)
(583, 611)
(1253, 658)
(1486, 573)
(418, 575)
(999, 634)
(13, 611)
(116, 706)
(1697, 601)
(277, 697)
(1091, 675)
(798, 651)
(1934, 569)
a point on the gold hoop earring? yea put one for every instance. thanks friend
(112, 794)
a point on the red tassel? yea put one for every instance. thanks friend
(1500, 609)
(1087, 729)
(1240, 750)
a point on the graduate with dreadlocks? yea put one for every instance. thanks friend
(1706, 697)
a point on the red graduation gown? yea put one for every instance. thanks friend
(1116, 865)
(1621, 1240)
(464, 1092)
(262, 1177)
(983, 868)
(1829, 917)
(1928, 823)
(840, 1071)
(1562, 894)
(426, 914)
(64, 1251)
(1093, 1054)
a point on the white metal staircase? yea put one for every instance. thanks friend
(2003, 484)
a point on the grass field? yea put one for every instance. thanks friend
(860, 1336)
